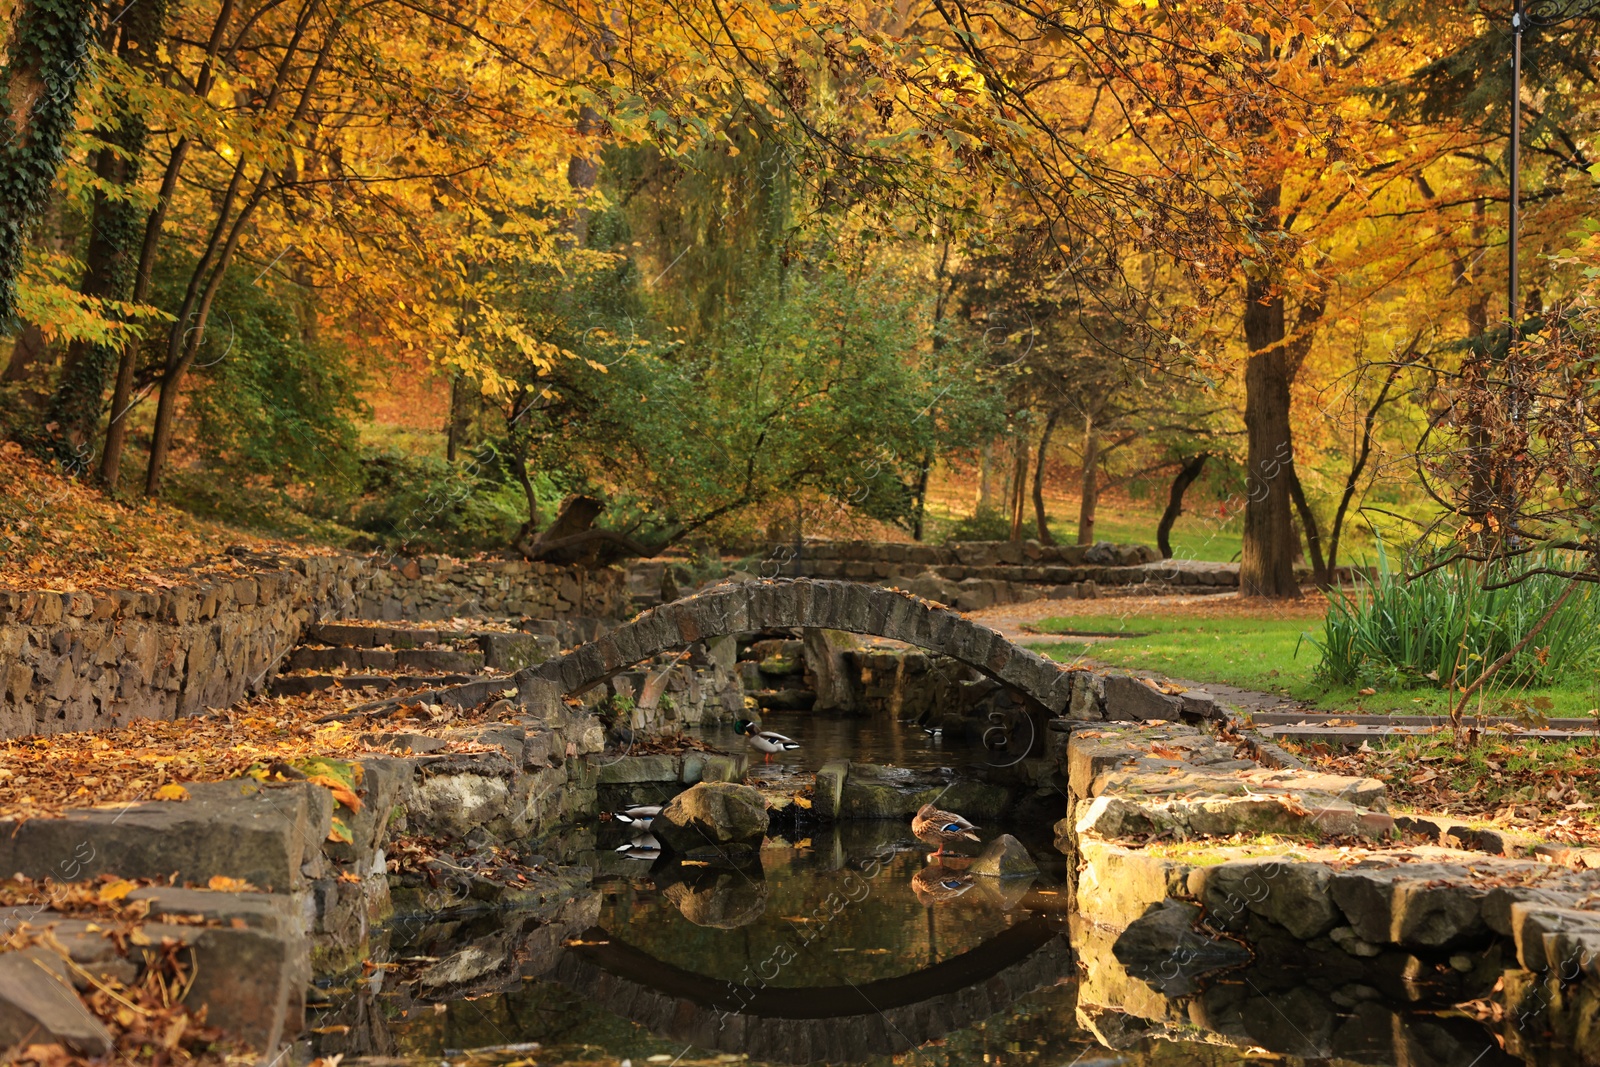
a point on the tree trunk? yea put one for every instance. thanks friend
(986, 476)
(188, 331)
(1039, 516)
(27, 350)
(1019, 482)
(919, 516)
(1186, 476)
(122, 393)
(1308, 522)
(113, 247)
(47, 56)
(1089, 494)
(1267, 565)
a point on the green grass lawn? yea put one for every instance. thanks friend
(1194, 535)
(1276, 656)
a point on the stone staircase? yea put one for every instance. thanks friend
(379, 658)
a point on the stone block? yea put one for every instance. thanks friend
(237, 829)
(38, 1006)
(827, 797)
(1127, 697)
(631, 770)
(1117, 885)
(1294, 894)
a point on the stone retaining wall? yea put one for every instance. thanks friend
(974, 575)
(95, 659)
(314, 899)
(439, 587)
(1190, 861)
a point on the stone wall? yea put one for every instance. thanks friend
(438, 587)
(93, 660)
(972, 575)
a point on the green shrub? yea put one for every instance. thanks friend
(1393, 633)
(987, 523)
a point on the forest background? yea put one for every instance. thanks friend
(412, 274)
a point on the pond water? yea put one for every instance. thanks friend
(849, 945)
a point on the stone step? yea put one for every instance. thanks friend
(251, 959)
(263, 834)
(369, 635)
(383, 659)
(293, 685)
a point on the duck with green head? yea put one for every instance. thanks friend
(765, 741)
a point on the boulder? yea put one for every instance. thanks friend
(1004, 857)
(712, 814)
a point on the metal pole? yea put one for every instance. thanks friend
(1518, 21)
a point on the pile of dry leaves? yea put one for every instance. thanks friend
(1546, 789)
(151, 759)
(57, 532)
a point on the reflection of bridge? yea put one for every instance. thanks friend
(739, 607)
(800, 1024)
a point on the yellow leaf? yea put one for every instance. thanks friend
(112, 892)
(340, 832)
(171, 791)
(223, 884)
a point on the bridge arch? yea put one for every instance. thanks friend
(802, 1024)
(739, 607)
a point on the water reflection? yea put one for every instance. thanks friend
(851, 947)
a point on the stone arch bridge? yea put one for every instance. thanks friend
(731, 608)
(740, 607)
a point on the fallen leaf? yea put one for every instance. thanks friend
(171, 791)
(223, 884)
(112, 892)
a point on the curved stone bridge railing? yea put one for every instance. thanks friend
(803, 1024)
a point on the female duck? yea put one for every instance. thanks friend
(942, 828)
(765, 741)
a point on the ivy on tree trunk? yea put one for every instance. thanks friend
(46, 59)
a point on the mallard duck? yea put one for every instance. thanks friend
(935, 885)
(640, 816)
(765, 741)
(643, 847)
(942, 828)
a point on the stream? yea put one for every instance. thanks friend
(845, 944)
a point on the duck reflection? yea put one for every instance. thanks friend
(716, 895)
(642, 847)
(939, 884)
